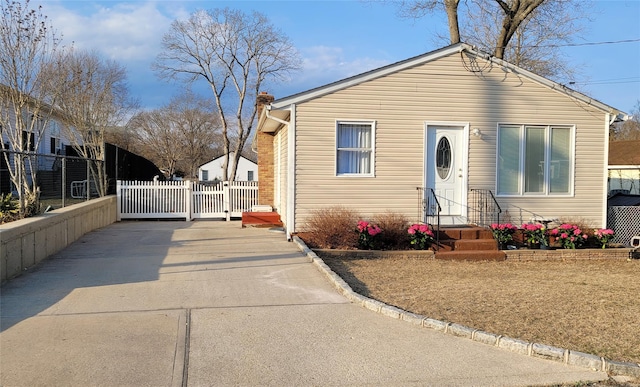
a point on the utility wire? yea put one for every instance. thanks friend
(588, 43)
(607, 81)
(580, 44)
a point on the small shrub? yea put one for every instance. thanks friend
(503, 232)
(570, 236)
(603, 236)
(394, 234)
(9, 208)
(422, 237)
(367, 235)
(332, 228)
(535, 233)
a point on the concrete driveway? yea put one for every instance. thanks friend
(211, 303)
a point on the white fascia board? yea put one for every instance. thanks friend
(623, 167)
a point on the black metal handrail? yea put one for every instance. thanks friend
(430, 210)
(483, 207)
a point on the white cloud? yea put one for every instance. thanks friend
(323, 64)
(122, 31)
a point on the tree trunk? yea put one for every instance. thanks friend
(451, 6)
(514, 14)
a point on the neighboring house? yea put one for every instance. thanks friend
(213, 170)
(48, 141)
(451, 120)
(624, 167)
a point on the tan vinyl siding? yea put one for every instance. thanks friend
(442, 90)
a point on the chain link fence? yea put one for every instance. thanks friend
(625, 221)
(62, 180)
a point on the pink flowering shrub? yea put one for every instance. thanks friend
(604, 235)
(535, 233)
(421, 236)
(503, 232)
(367, 233)
(569, 235)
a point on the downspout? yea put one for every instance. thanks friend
(267, 110)
(291, 173)
(291, 160)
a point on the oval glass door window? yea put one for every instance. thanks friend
(443, 158)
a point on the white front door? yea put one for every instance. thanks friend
(446, 169)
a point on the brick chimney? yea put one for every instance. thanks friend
(266, 171)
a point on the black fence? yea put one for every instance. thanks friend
(68, 179)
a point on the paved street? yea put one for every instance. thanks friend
(212, 304)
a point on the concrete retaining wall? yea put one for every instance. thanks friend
(26, 242)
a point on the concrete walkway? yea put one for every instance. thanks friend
(210, 303)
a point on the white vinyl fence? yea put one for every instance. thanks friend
(185, 199)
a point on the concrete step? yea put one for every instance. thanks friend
(469, 232)
(261, 219)
(468, 244)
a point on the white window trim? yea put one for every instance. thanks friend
(373, 148)
(547, 151)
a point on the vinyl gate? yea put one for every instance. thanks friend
(185, 199)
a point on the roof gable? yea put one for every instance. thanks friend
(285, 102)
(243, 155)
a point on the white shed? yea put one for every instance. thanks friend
(212, 170)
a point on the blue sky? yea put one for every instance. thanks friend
(336, 39)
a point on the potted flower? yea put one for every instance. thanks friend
(604, 235)
(421, 236)
(503, 233)
(367, 235)
(570, 236)
(535, 234)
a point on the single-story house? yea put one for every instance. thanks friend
(624, 167)
(212, 171)
(449, 122)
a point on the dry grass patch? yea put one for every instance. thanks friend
(589, 306)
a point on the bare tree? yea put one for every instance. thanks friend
(420, 8)
(234, 53)
(533, 46)
(199, 130)
(156, 140)
(121, 136)
(523, 32)
(179, 136)
(27, 46)
(629, 129)
(94, 97)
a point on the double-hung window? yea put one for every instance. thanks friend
(355, 148)
(535, 160)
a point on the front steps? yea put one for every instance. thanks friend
(467, 243)
(261, 219)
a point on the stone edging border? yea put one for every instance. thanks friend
(562, 355)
